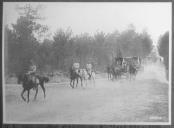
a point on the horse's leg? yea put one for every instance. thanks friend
(135, 76)
(86, 80)
(93, 79)
(28, 95)
(130, 76)
(81, 81)
(113, 76)
(77, 81)
(71, 83)
(43, 88)
(22, 94)
(36, 93)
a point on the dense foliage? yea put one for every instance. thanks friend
(22, 45)
(163, 46)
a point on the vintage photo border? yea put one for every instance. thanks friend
(171, 70)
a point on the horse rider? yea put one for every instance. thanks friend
(89, 70)
(75, 68)
(32, 71)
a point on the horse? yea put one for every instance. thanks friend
(132, 71)
(109, 72)
(116, 72)
(83, 76)
(91, 76)
(91, 73)
(75, 76)
(29, 84)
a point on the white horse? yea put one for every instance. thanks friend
(84, 76)
(91, 73)
(87, 76)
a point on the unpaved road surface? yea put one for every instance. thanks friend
(142, 100)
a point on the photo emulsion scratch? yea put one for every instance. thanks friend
(87, 63)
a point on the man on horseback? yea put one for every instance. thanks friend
(74, 74)
(32, 72)
(75, 67)
(89, 70)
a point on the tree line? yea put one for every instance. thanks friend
(163, 48)
(21, 43)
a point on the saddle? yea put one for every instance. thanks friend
(33, 78)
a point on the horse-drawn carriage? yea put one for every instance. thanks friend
(127, 67)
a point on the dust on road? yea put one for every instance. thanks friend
(142, 100)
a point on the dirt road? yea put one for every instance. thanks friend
(142, 100)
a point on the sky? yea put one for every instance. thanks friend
(154, 17)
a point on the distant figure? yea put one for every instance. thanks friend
(132, 71)
(109, 71)
(75, 74)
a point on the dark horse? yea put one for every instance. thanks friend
(116, 72)
(109, 72)
(75, 76)
(28, 84)
(132, 71)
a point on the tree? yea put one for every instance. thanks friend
(45, 56)
(132, 43)
(25, 32)
(61, 39)
(163, 47)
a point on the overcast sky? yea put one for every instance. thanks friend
(155, 17)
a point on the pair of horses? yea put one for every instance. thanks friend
(81, 74)
(28, 84)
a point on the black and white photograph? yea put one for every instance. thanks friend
(87, 63)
